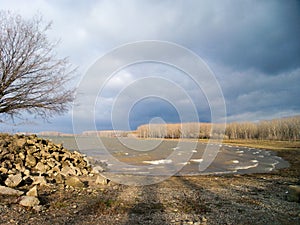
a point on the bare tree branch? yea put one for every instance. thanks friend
(32, 78)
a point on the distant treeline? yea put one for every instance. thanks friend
(276, 129)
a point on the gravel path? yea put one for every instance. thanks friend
(226, 199)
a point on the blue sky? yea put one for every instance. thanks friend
(252, 47)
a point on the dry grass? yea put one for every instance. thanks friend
(266, 144)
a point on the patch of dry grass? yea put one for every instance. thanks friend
(263, 144)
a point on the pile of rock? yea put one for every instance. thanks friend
(27, 161)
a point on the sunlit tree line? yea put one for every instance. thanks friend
(276, 129)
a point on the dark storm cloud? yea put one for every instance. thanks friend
(263, 35)
(253, 96)
(252, 46)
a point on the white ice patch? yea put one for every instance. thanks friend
(130, 168)
(160, 161)
(196, 160)
(246, 167)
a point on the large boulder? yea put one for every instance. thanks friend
(10, 191)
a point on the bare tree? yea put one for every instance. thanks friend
(33, 78)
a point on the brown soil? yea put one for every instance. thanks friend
(230, 199)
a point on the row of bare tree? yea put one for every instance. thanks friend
(276, 129)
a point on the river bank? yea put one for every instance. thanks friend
(224, 199)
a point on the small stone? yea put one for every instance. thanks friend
(29, 201)
(97, 169)
(39, 180)
(13, 180)
(101, 180)
(33, 192)
(3, 170)
(59, 179)
(74, 182)
(203, 219)
(10, 191)
(22, 155)
(26, 172)
(30, 161)
(30, 142)
(38, 208)
(21, 142)
(67, 170)
(293, 193)
(42, 168)
(19, 167)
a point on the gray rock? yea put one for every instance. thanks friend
(30, 142)
(22, 155)
(97, 169)
(55, 155)
(20, 142)
(38, 208)
(41, 167)
(19, 166)
(29, 201)
(10, 191)
(39, 180)
(101, 180)
(54, 171)
(84, 172)
(26, 172)
(67, 170)
(59, 179)
(13, 180)
(3, 170)
(32, 192)
(74, 182)
(51, 162)
(30, 161)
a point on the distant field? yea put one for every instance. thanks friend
(266, 144)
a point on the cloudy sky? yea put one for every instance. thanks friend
(251, 47)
